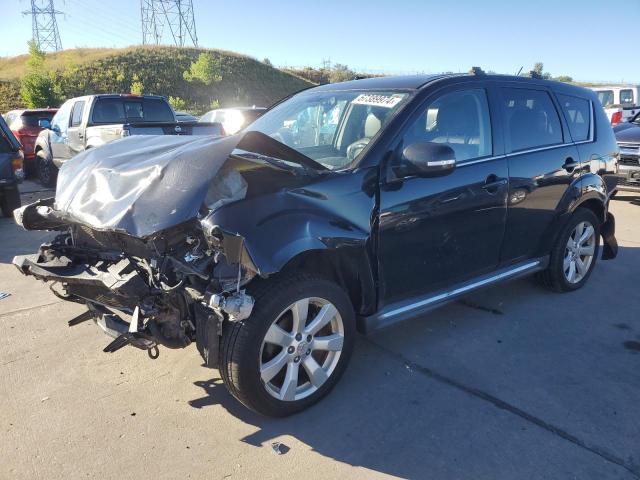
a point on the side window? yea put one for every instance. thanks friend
(458, 119)
(626, 96)
(605, 97)
(531, 119)
(76, 114)
(60, 120)
(577, 112)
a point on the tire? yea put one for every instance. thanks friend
(10, 201)
(245, 350)
(555, 277)
(47, 172)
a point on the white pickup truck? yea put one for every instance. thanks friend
(620, 102)
(93, 120)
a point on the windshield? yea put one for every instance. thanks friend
(332, 128)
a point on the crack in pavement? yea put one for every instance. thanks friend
(501, 404)
(25, 309)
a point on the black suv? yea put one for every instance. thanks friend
(347, 206)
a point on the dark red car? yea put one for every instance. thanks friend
(25, 125)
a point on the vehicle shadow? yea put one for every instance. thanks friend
(387, 417)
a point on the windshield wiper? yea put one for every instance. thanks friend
(258, 142)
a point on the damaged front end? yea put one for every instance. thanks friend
(169, 289)
(145, 287)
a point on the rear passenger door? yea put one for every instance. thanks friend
(542, 164)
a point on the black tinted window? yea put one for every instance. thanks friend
(626, 96)
(531, 119)
(123, 110)
(31, 119)
(459, 119)
(76, 114)
(577, 112)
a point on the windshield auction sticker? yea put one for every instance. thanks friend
(387, 101)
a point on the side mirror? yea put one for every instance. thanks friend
(428, 159)
(44, 123)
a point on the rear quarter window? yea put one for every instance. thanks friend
(531, 119)
(577, 112)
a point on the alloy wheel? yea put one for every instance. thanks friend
(301, 349)
(579, 252)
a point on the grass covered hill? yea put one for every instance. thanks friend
(236, 79)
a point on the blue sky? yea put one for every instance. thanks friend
(581, 38)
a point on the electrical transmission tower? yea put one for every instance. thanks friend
(44, 25)
(176, 16)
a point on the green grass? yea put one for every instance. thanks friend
(83, 71)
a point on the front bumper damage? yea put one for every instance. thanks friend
(162, 296)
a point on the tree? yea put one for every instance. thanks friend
(341, 73)
(177, 103)
(538, 68)
(137, 87)
(267, 62)
(205, 70)
(37, 87)
(564, 78)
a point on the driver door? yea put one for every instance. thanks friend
(440, 231)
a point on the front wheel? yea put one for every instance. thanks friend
(46, 170)
(574, 255)
(293, 348)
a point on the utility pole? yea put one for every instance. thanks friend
(176, 15)
(44, 26)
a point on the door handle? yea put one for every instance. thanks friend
(493, 183)
(80, 135)
(570, 165)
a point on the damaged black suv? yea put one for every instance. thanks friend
(346, 207)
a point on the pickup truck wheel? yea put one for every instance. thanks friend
(293, 348)
(47, 171)
(575, 253)
(10, 201)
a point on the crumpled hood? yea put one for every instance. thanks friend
(141, 184)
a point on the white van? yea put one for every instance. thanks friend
(621, 102)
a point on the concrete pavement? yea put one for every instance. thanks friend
(513, 382)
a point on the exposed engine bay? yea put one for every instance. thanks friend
(137, 244)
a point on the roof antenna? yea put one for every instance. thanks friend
(518, 74)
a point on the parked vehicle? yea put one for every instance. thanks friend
(25, 125)
(628, 138)
(621, 102)
(185, 117)
(94, 120)
(11, 170)
(275, 245)
(233, 119)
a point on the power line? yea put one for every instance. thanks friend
(174, 18)
(44, 26)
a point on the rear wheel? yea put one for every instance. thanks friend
(575, 253)
(10, 201)
(292, 349)
(46, 170)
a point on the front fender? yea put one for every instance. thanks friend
(331, 213)
(42, 144)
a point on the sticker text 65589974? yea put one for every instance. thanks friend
(387, 101)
